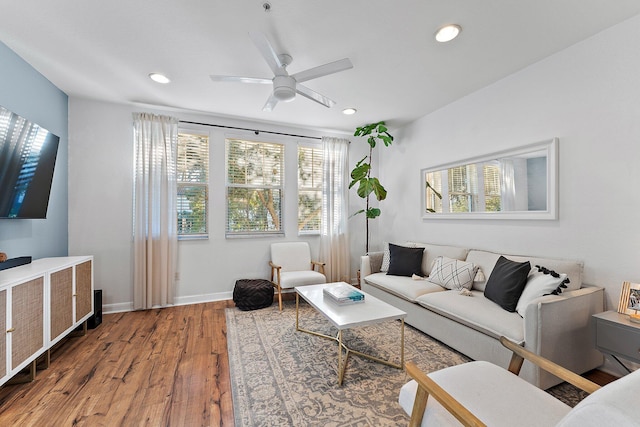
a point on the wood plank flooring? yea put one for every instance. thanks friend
(164, 367)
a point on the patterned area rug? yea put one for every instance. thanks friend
(281, 377)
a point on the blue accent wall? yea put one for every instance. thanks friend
(28, 93)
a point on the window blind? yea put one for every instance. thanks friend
(255, 187)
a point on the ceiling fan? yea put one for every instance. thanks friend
(286, 86)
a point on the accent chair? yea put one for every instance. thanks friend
(291, 266)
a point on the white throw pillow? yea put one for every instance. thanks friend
(539, 284)
(452, 273)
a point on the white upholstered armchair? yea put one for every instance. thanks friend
(483, 394)
(291, 266)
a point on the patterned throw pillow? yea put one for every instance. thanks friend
(452, 273)
(386, 258)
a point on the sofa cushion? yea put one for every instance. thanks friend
(434, 251)
(539, 282)
(405, 261)
(452, 273)
(476, 312)
(403, 287)
(487, 260)
(506, 283)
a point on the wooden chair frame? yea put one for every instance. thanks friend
(426, 386)
(275, 272)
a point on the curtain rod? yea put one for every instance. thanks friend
(256, 131)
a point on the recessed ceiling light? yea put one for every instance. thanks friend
(448, 33)
(349, 111)
(159, 78)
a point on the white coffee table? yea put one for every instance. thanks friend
(369, 312)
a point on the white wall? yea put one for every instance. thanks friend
(589, 97)
(101, 199)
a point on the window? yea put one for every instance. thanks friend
(492, 188)
(193, 185)
(309, 189)
(255, 187)
(463, 188)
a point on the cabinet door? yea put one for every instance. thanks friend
(3, 334)
(27, 314)
(84, 289)
(61, 285)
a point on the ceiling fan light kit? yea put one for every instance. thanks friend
(285, 86)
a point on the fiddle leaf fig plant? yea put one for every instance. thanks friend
(361, 174)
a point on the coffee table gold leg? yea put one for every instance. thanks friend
(297, 304)
(402, 344)
(340, 365)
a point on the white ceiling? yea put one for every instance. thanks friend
(105, 50)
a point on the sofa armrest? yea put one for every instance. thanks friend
(369, 264)
(558, 327)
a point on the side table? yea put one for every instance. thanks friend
(616, 336)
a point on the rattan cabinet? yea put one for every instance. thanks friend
(40, 303)
(71, 298)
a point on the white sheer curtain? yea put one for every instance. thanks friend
(508, 189)
(155, 226)
(334, 242)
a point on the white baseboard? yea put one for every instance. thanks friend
(197, 299)
(117, 307)
(192, 299)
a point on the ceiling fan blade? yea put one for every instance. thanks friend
(240, 79)
(267, 51)
(271, 103)
(314, 96)
(323, 70)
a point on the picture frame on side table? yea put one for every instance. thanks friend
(630, 301)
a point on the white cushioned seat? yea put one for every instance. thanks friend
(510, 402)
(291, 279)
(613, 405)
(476, 312)
(403, 287)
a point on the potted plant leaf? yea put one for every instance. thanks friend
(361, 173)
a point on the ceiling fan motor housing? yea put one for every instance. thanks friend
(284, 88)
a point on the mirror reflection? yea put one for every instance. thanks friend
(518, 183)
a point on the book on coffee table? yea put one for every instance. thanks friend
(343, 294)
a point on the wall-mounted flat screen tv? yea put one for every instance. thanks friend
(27, 160)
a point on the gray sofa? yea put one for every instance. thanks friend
(557, 327)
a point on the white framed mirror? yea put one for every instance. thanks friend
(520, 183)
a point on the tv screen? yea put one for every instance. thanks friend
(27, 159)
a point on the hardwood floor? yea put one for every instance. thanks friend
(165, 367)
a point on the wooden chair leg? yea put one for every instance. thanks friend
(419, 405)
(280, 297)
